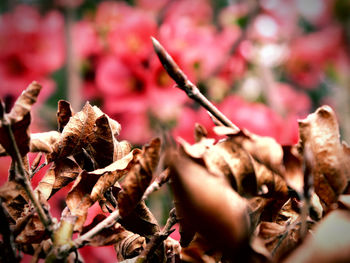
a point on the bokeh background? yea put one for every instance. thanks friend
(265, 64)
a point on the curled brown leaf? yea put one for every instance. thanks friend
(139, 177)
(90, 187)
(19, 119)
(331, 172)
(43, 142)
(209, 205)
(60, 174)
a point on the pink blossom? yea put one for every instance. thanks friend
(309, 54)
(85, 40)
(131, 41)
(116, 78)
(32, 47)
(255, 117)
(186, 122)
(291, 100)
(110, 14)
(199, 11)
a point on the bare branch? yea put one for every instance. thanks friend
(186, 85)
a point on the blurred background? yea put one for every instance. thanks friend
(265, 64)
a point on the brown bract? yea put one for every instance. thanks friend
(331, 172)
(19, 119)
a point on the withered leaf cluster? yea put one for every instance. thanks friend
(246, 198)
(84, 153)
(243, 198)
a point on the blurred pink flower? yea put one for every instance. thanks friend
(291, 100)
(309, 54)
(198, 11)
(85, 40)
(185, 124)
(110, 14)
(131, 41)
(116, 78)
(32, 46)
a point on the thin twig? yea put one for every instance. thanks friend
(186, 85)
(22, 177)
(157, 184)
(158, 238)
(107, 222)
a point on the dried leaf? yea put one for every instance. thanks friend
(90, 187)
(225, 159)
(330, 241)
(262, 148)
(102, 143)
(331, 171)
(115, 126)
(209, 205)
(111, 173)
(75, 134)
(172, 249)
(277, 190)
(43, 142)
(64, 112)
(14, 198)
(139, 177)
(130, 247)
(20, 131)
(141, 221)
(24, 102)
(60, 174)
(278, 239)
(19, 118)
(34, 232)
(200, 132)
(293, 168)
